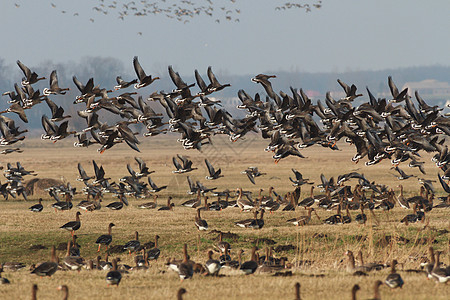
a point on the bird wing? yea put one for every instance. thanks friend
(444, 185)
(200, 82)
(250, 177)
(176, 163)
(26, 71)
(138, 69)
(210, 167)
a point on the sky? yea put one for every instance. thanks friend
(343, 35)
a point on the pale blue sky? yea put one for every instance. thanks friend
(343, 35)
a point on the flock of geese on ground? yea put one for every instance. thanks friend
(364, 196)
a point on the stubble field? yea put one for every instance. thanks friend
(323, 246)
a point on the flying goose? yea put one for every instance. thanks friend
(186, 165)
(54, 86)
(213, 174)
(122, 84)
(30, 77)
(57, 111)
(154, 187)
(144, 80)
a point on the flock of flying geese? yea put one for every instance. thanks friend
(182, 11)
(379, 129)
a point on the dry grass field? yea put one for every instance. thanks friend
(325, 276)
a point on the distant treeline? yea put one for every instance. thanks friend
(105, 70)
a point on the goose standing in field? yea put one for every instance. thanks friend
(72, 226)
(351, 267)
(133, 245)
(213, 174)
(150, 205)
(37, 207)
(47, 268)
(193, 203)
(303, 220)
(394, 280)
(169, 206)
(212, 265)
(309, 201)
(258, 223)
(222, 245)
(105, 239)
(199, 222)
(244, 205)
(65, 289)
(401, 199)
(249, 267)
(290, 206)
(118, 204)
(54, 86)
(113, 277)
(154, 253)
(430, 265)
(247, 222)
(442, 275)
(144, 80)
(73, 262)
(185, 270)
(369, 266)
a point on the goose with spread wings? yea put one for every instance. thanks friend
(144, 79)
(213, 174)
